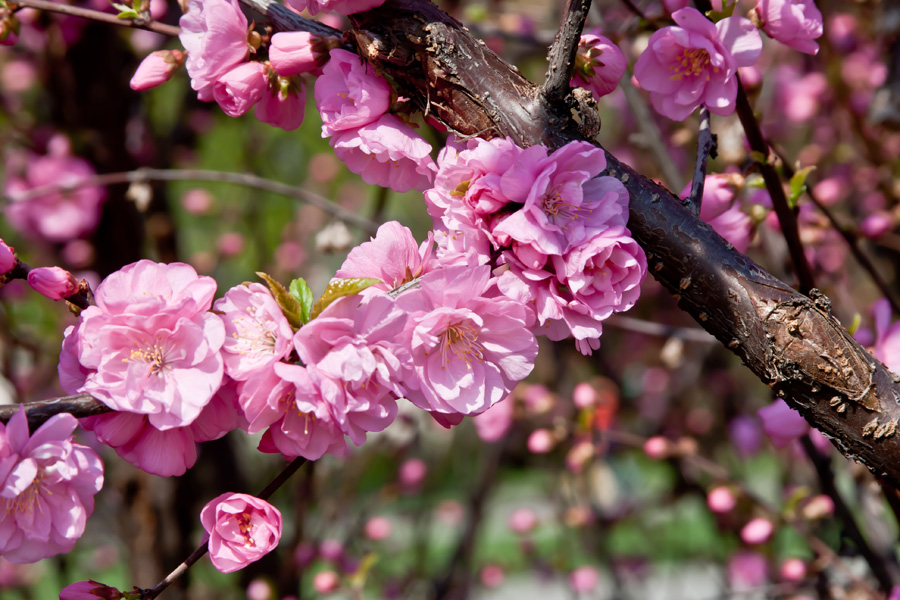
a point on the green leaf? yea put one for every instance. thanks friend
(290, 306)
(798, 184)
(759, 157)
(127, 13)
(302, 292)
(339, 288)
(857, 321)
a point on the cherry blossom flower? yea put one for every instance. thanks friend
(214, 32)
(242, 529)
(468, 350)
(149, 346)
(387, 152)
(47, 488)
(349, 94)
(53, 282)
(391, 256)
(695, 63)
(240, 88)
(795, 23)
(599, 65)
(156, 69)
(720, 209)
(257, 334)
(56, 216)
(296, 52)
(8, 258)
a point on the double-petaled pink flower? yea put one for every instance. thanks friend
(391, 256)
(214, 32)
(695, 62)
(242, 529)
(47, 488)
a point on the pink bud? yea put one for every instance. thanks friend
(326, 581)
(492, 576)
(378, 528)
(53, 282)
(89, 590)
(599, 65)
(157, 68)
(540, 441)
(240, 88)
(721, 499)
(259, 589)
(294, 52)
(523, 520)
(196, 201)
(584, 395)
(579, 455)
(757, 531)
(412, 473)
(8, 259)
(818, 507)
(793, 569)
(231, 243)
(584, 580)
(331, 549)
(876, 225)
(656, 447)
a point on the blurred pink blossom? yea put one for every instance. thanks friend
(412, 473)
(793, 569)
(8, 258)
(495, 422)
(540, 441)
(242, 529)
(522, 520)
(325, 582)
(757, 531)
(795, 23)
(492, 576)
(747, 569)
(720, 208)
(721, 499)
(584, 580)
(378, 529)
(89, 590)
(197, 201)
(782, 424)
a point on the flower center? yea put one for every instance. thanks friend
(558, 209)
(693, 62)
(154, 356)
(254, 335)
(462, 340)
(243, 521)
(25, 502)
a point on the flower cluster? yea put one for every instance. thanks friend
(554, 227)
(383, 150)
(47, 488)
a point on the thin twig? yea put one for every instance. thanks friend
(96, 15)
(563, 51)
(706, 147)
(786, 217)
(637, 11)
(245, 179)
(285, 474)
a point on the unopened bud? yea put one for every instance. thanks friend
(157, 68)
(53, 282)
(8, 258)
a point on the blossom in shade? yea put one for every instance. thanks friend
(53, 282)
(282, 107)
(156, 69)
(89, 590)
(349, 94)
(795, 23)
(296, 52)
(468, 349)
(695, 62)
(720, 208)
(242, 529)
(495, 422)
(887, 336)
(55, 216)
(240, 88)
(344, 7)
(599, 65)
(214, 33)
(391, 256)
(782, 424)
(8, 258)
(387, 152)
(47, 488)
(150, 346)
(257, 334)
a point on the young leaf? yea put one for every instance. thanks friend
(293, 311)
(302, 292)
(339, 288)
(798, 184)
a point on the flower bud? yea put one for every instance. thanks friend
(53, 282)
(757, 531)
(8, 259)
(296, 52)
(157, 68)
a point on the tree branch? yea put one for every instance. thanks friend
(96, 15)
(706, 147)
(561, 58)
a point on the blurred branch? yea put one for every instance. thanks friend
(706, 147)
(96, 15)
(245, 179)
(692, 334)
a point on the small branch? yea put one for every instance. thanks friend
(79, 405)
(96, 15)
(203, 548)
(245, 179)
(786, 217)
(690, 334)
(563, 51)
(633, 8)
(706, 147)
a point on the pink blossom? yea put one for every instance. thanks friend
(492, 576)
(720, 209)
(257, 334)
(47, 488)
(599, 65)
(53, 282)
(522, 520)
(887, 336)
(344, 7)
(468, 350)
(89, 590)
(747, 570)
(584, 580)
(349, 94)
(757, 531)
(240, 88)
(378, 529)
(495, 422)
(391, 256)
(795, 23)
(388, 153)
(214, 32)
(695, 62)
(721, 499)
(296, 52)
(8, 258)
(353, 361)
(325, 582)
(156, 69)
(284, 109)
(242, 529)
(793, 569)
(412, 473)
(782, 424)
(149, 346)
(55, 216)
